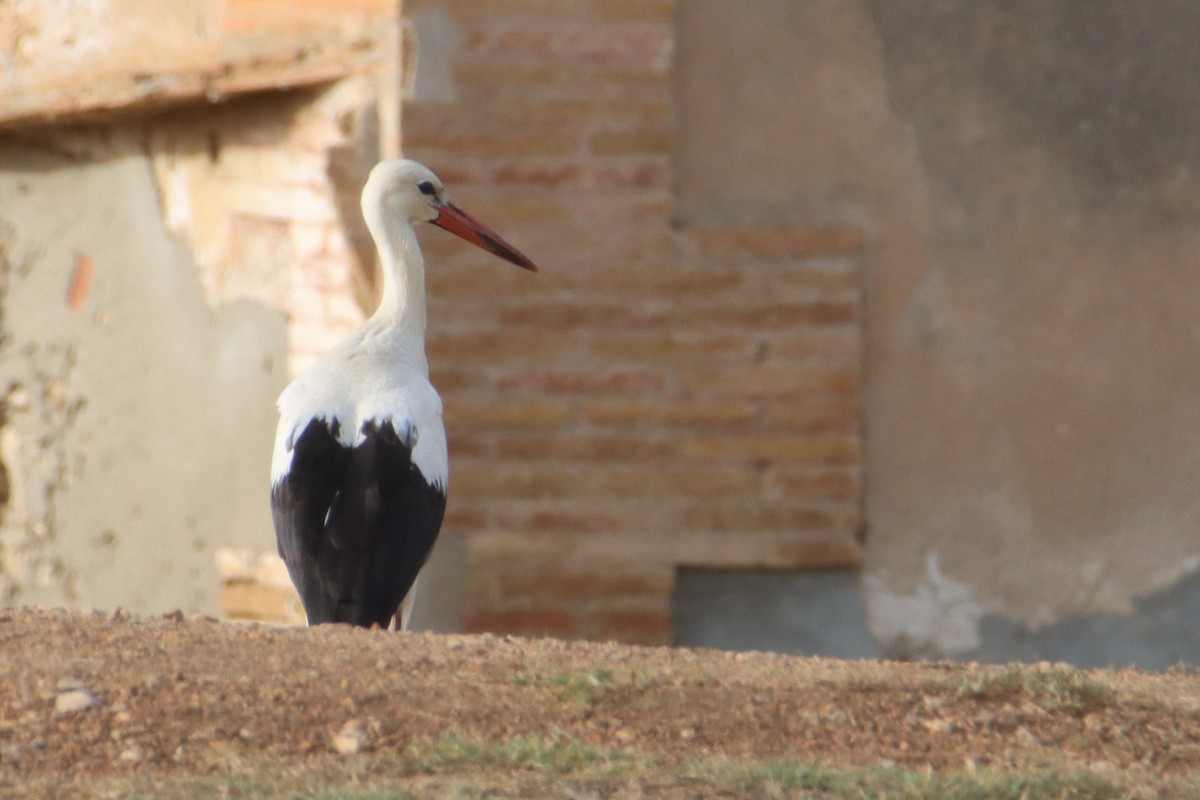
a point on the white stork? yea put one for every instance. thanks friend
(360, 470)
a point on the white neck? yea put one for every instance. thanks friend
(402, 304)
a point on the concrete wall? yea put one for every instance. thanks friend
(1025, 177)
(1035, 436)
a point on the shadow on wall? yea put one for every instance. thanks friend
(822, 614)
(801, 613)
(1159, 633)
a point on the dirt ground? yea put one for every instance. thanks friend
(112, 705)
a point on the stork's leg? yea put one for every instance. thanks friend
(400, 622)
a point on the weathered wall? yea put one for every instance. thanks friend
(164, 271)
(1024, 176)
(102, 57)
(1034, 437)
(133, 414)
(651, 398)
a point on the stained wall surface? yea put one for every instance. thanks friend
(134, 413)
(1036, 440)
(173, 245)
(1024, 174)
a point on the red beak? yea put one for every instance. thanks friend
(460, 223)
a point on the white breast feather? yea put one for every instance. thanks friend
(355, 383)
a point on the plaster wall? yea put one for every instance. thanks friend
(134, 412)
(1025, 175)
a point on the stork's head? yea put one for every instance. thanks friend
(405, 190)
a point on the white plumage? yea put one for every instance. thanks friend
(360, 471)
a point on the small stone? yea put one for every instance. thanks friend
(73, 696)
(1026, 737)
(173, 616)
(131, 754)
(936, 725)
(351, 738)
(10, 754)
(77, 700)
(120, 615)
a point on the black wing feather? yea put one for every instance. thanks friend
(354, 524)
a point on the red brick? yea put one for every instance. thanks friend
(621, 143)
(666, 412)
(631, 626)
(587, 447)
(589, 383)
(781, 243)
(832, 553)
(822, 416)
(633, 10)
(491, 144)
(628, 207)
(513, 548)
(647, 172)
(467, 443)
(496, 347)
(520, 622)
(806, 449)
(481, 278)
(819, 278)
(640, 173)
(741, 518)
(586, 44)
(630, 82)
(672, 346)
(806, 483)
(464, 519)
(560, 521)
(476, 480)
(768, 549)
(555, 582)
(494, 79)
(539, 172)
(771, 315)
(667, 480)
(461, 413)
(457, 380)
(501, 210)
(657, 279)
(531, 112)
(774, 380)
(844, 343)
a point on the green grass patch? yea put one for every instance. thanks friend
(584, 686)
(459, 767)
(554, 755)
(453, 765)
(1053, 689)
(769, 778)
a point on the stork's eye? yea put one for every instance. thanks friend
(426, 187)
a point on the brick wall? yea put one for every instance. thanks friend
(249, 185)
(654, 397)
